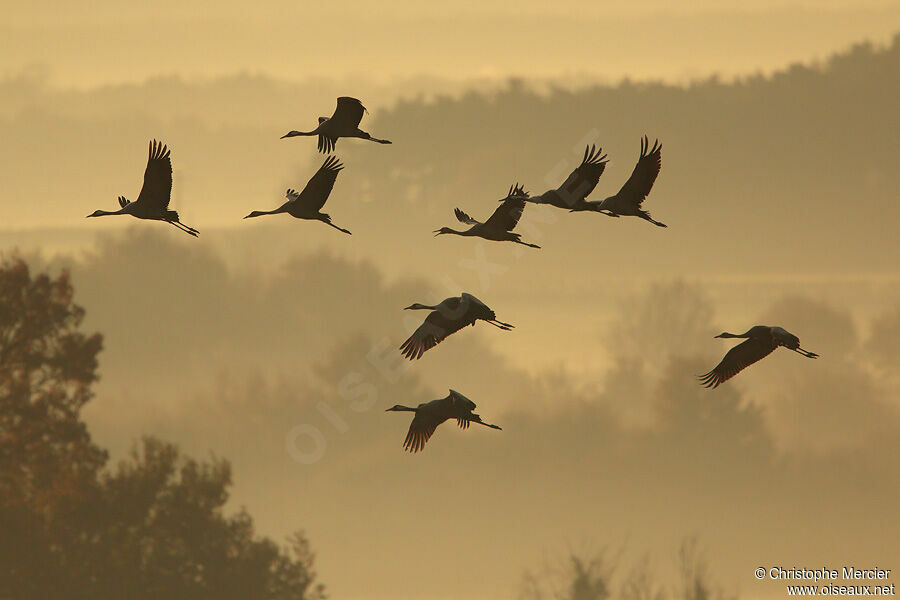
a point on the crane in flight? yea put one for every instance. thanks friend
(577, 186)
(308, 203)
(447, 318)
(761, 341)
(431, 414)
(572, 194)
(343, 123)
(500, 224)
(628, 200)
(153, 201)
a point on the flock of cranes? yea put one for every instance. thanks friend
(453, 314)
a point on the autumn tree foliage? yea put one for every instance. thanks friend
(153, 527)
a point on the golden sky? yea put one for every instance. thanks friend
(115, 42)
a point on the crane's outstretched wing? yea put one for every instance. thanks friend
(348, 113)
(736, 360)
(432, 332)
(584, 178)
(475, 308)
(420, 431)
(459, 400)
(644, 175)
(507, 215)
(157, 188)
(326, 143)
(464, 218)
(320, 185)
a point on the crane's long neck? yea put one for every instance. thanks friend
(447, 230)
(106, 213)
(296, 133)
(746, 334)
(259, 213)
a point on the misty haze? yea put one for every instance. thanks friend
(246, 372)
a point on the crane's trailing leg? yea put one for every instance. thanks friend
(805, 353)
(646, 216)
(327, 220)
(366, 136)
(480, 422)
(189, 228)
(184, 228)
(172, 217)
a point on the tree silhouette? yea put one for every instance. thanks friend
(48, 464)
(154, 527)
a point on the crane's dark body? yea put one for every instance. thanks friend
(153, 200)
(431, 414)
(577, 186)
(308, 203)
(445, 319)
(343, 123)
(572, 194)
(499, 226)
(761, 341)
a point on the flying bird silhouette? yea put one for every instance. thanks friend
(627, 202)
(343, 123)
(500, 224)
(308, 203)
(577, 186)
(761, 340)
(153, 201)
(431, 414)
(447, 318)
(581, 182)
